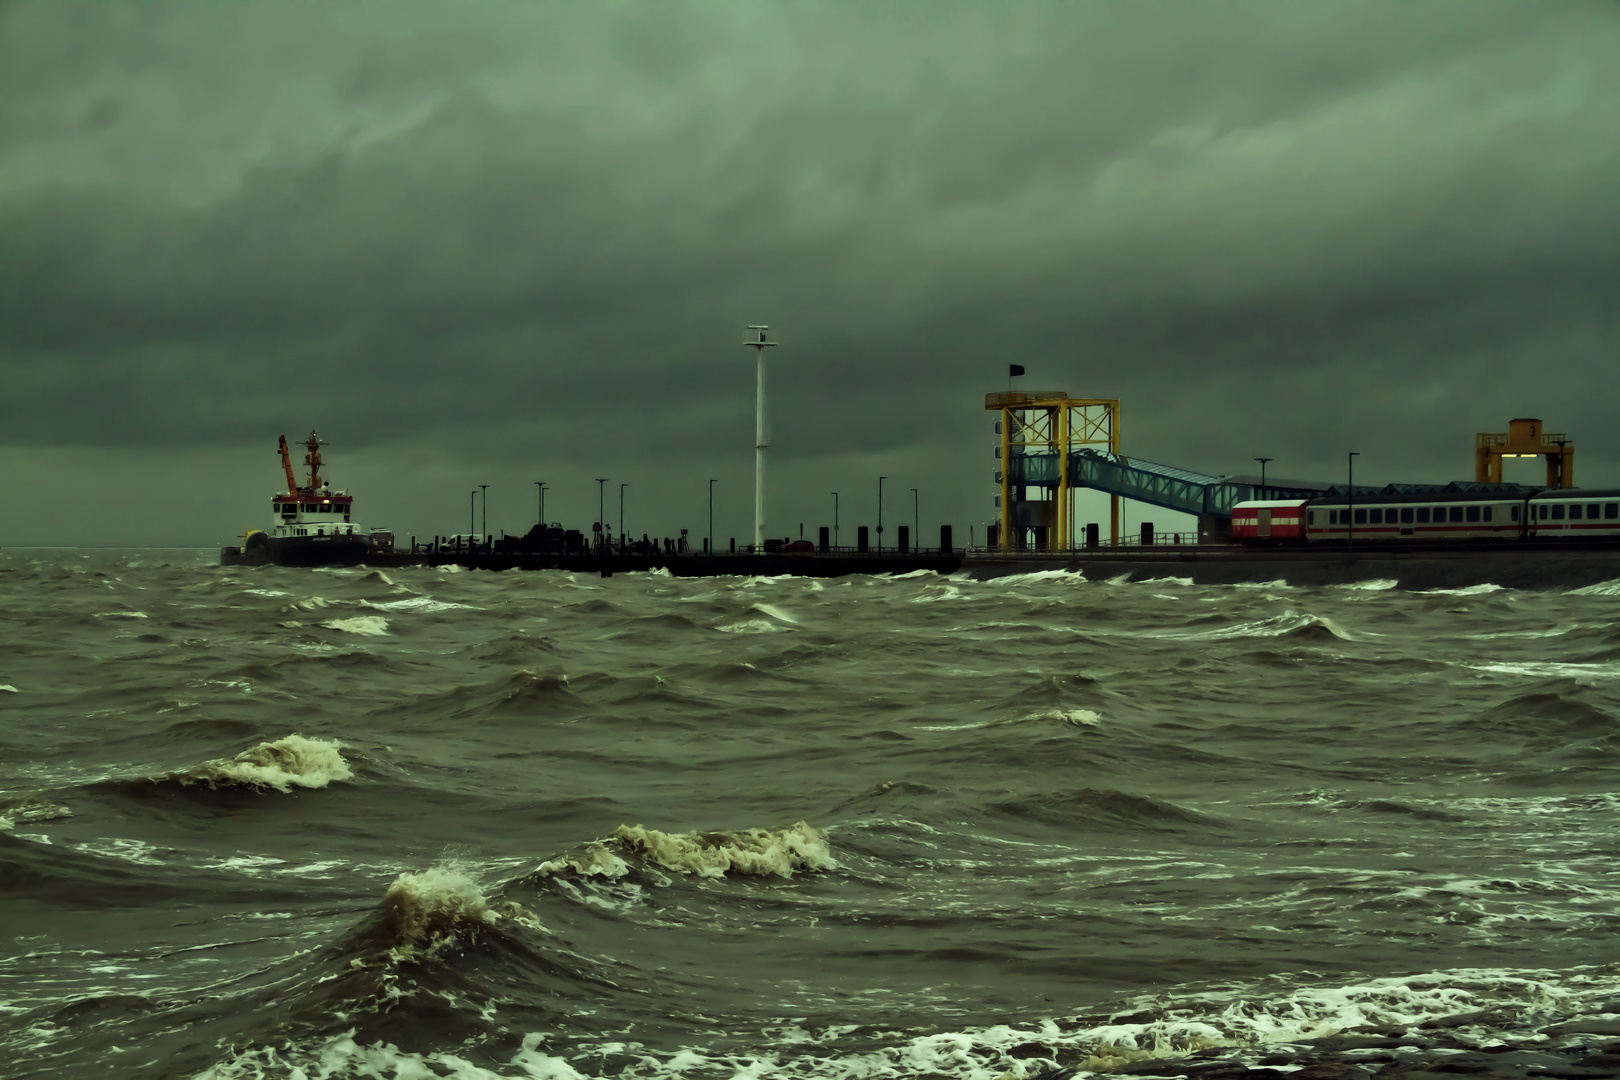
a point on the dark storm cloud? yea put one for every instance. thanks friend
(499, 216)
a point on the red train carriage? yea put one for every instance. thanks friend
(1276, 521)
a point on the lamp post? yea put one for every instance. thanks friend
(472, 513)
(1350, 524)
(541, 485)
(1262, 461)
(601, 526)
(621, 517)
(835, 519)
(880, 514)
(915, 520)
(708, 548)
(760, 345)
(484, 503)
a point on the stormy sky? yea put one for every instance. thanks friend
(499, 242)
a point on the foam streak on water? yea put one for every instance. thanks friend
(273, 823)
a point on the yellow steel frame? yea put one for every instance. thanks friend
(1054, 424)
(1524, 438)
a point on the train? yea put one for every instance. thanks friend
(1453, 513)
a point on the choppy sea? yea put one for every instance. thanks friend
(267, 822)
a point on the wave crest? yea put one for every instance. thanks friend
(284, 764)
(439, 906)
(758, 852)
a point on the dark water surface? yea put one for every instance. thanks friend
(290, 823)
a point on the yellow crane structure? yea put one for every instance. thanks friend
(1048, 423)
(1524, 438)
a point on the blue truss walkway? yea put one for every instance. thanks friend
(1151, 482)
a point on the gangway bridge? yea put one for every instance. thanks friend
(1051, 444)
(1155, 483)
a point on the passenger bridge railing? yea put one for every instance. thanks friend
(1151, 482)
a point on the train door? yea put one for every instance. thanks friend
(1264, 529)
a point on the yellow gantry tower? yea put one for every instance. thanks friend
(1524, 438)
(1049, 422)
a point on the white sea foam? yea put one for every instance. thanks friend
(1035, 577)
(122, 615)
(1077, 717)
(284, 764)
(1468, 590)
(758, 852)
(365, 625)
(593, 860)
(754, 626)
(1551, 669)
(1602, 588)
(435, 907)
(8, 688)
(421, 605)
(775, 612)
(1373, 585)
(30, 812)
(1275, 626)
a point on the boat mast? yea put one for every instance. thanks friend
(313, 460)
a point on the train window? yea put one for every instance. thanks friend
(1406, 515)
(1485, 512)
(1611, 510)
(1514, 513)
(1375, 516)
(1541, 512)
(1333, 517)
(1558, 512)
(1423, 515)
(1473, 513)
(1592, 510)
(1361, 517)
(1575, 512)
(1456, 513)
(1310, 517)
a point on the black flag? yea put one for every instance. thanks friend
(1014, 369)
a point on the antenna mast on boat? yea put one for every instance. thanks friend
(313, 460)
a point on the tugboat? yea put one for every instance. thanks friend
(314, 525)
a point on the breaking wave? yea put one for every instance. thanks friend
(29, 812)
(755, 852)
(439, 906)
(284, 764)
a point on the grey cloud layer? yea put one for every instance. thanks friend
(429, 213)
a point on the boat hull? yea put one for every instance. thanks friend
(298, 551)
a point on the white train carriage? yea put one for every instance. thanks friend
(1428, 515)
(1573, 514)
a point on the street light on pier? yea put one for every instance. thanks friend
(757, 340)
(1350, 524)
(484, 502)
(880, 514)
(621, 516)
(542, 485)
(915, 520)
(601, 512)
(835, 519)
(708, 546)
(1262, 461)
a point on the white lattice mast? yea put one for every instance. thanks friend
(757, 340)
